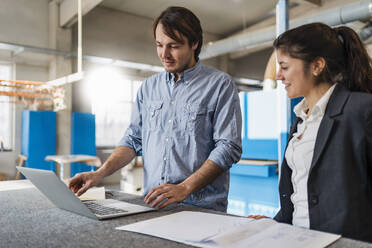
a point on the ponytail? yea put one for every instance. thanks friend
(358, 71)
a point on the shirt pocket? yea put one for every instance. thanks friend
(153, 115)
(196, 119)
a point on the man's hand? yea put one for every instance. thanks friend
(166, 194)
(80, 183)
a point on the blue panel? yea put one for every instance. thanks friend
(253, 170)
(254, 189)
(253, 195)
(83, 139)
(294, 102)
(39, 138)
(260, 149)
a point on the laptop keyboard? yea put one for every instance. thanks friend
(99, 209)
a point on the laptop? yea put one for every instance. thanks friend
(61, 196)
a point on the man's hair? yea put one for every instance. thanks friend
(182, 21)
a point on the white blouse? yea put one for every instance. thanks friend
(299, 155)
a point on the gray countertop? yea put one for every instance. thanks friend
(28, 219)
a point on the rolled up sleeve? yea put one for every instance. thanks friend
(133, 135)
(227, 125)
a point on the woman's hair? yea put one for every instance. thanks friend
(347, 61)
(183, 21)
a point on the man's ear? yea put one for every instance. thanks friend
(317, 66)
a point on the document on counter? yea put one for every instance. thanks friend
(95, 193)
(213, 230)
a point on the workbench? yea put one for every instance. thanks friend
(29, 219)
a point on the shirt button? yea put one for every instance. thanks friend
(170, 121)
(162, 178)
(165, 158)
(314, 200)
(193, 118)
(172, 102)
(166, 139)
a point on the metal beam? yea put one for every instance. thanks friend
(95, 59)
(67, 79)
(25, 48)
(68, 11)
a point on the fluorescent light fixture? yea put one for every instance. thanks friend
(99, 60)
(247, 81)
(123, 63)
(138, 66)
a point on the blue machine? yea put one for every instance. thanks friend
(254, 187)
(83, 139)
(39, 138)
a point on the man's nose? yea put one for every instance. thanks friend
(165, 52)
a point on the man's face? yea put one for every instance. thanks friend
(175, 56)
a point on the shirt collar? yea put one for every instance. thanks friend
(186, 75)
(319, 108)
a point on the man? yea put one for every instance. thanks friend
(186, 121)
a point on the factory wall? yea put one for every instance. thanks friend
(19, 24)
(107, 33)
(115, 34)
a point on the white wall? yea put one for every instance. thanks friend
(7, 159)
(22, 22)
(106, 32)
(115, 34)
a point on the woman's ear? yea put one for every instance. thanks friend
(317, 66)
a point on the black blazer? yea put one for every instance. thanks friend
(340, 177)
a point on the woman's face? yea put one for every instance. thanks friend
(298, 81)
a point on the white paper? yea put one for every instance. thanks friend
(15, 185)
(268, 233)
(212, 230)
(95, 193)
(187, 227)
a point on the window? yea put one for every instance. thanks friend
(6, 111)
(113, 96)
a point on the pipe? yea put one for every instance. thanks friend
(366, 32)
(79, 49)
(336, 16)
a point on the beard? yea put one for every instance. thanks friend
(180, 68)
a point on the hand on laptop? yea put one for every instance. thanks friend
(81, 182)
(165, 194)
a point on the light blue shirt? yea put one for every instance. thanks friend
(179, 125)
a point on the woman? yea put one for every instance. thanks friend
(326, 176)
